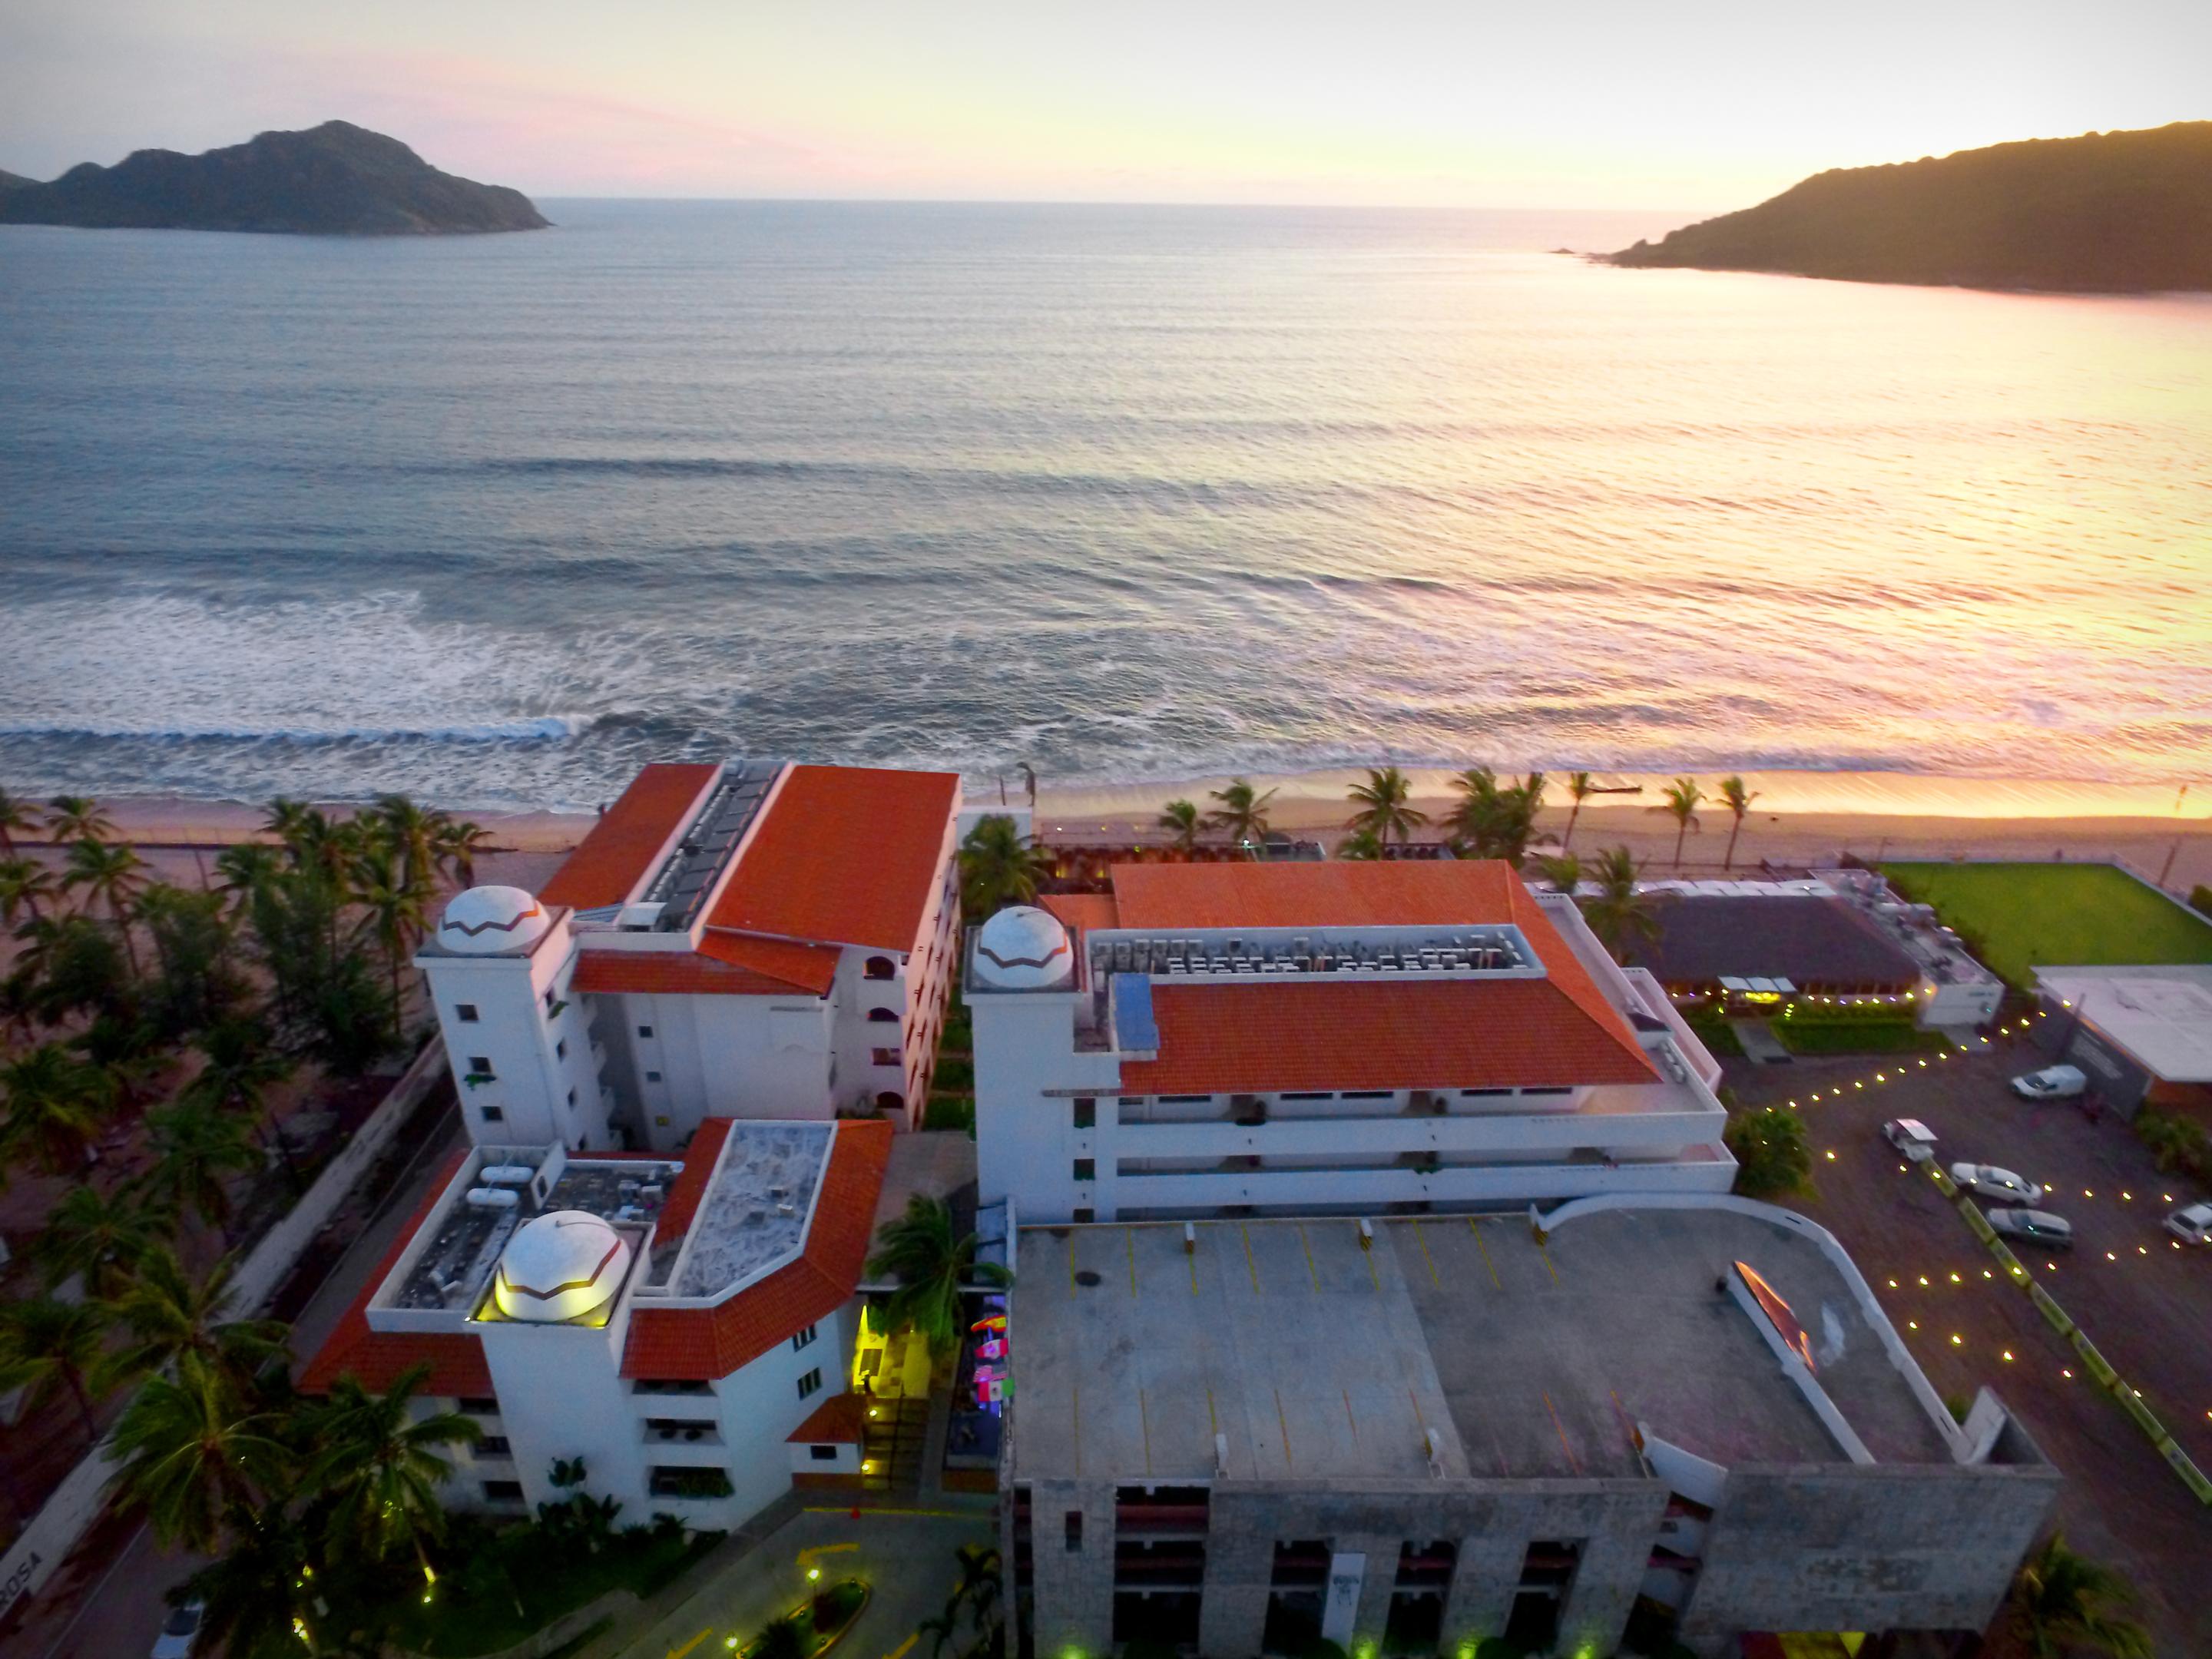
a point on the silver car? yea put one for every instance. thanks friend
(1987, 1180)
(2040, 1227)
(2192, 1224)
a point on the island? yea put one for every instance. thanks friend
(2104, 213)
(337, 179)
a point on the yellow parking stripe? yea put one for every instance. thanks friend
(1475, 1227)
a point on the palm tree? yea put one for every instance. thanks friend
(1564, 872)
(1361, 847)
(17, 817)
(1619, 914)
(779, 1638)
(114, 875)
(458, 845)
(259, 1584)
(1384, 804)
(1681, 805)
(98, 1238)
(55, 1103)
(285, 818)
(1580, 787)
(1738, 800)
(194, 1148)
(932, 1269)
(77, 817)
(23, 883)
(46, 1345)
(1490, 822)
(1180, 818)
(412, 833)
(399, 915)
(2064, 1602)
(999, 867)
(247, 868)
(1241, 813)
(170, 1317)
(197, 1456)
(379, 1465)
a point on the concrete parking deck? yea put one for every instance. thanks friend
(1314, 1358)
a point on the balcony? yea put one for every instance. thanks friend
(1498, 1134)
(1700, 1169)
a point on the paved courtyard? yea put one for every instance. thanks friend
(2145, 1303)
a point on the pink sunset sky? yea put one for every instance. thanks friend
(1605, 103)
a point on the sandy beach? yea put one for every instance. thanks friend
(1797, 819)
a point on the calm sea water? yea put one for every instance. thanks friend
(1121, 493)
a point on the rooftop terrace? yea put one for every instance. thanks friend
(1316, 1359)
(755, 1211)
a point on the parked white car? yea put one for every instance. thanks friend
(2051, 1083)
(2032, 1227)
(1911, 1137)
(2192, 1224)
(1987, 1180)
(181, 1633)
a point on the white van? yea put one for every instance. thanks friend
(2051, 1083)
(1911, 1137)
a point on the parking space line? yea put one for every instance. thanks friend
(1283, 1421)
(1475, 1227)
(1130, 1235)
(1311, 1268)
(1249, 1262)
(1573, 1462)
(1427, 1257)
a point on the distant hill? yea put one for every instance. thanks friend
(2109, 212)
(337, 179)
(13, 180)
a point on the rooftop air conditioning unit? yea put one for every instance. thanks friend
(493, 1198)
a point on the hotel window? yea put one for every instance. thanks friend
(494, 1445)
(1086, 1112)
(1086, 1169)
(883, 1016)
(480, 1066)
(548, 999)
(880, 968)
(823, 1453)
(1548, 1092)
(802, 1339)
(1482, 1094)
(502, 1491)
(483, 1405)
(1368, 1094)
(572, 1100)
(1085, 1216)
(652, 1077)
(466, 1012)
(1308, 1094)
(560, 1049)
(885, 1056)
(810, 1383)
(645, 1030)
(492, 1114)
(1185, 1100)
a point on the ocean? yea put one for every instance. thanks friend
(1120, 492)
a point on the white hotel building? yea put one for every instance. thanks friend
(752, 939)
(685, 1326)
(1298, 1039)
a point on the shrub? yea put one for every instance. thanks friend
(835, 1607)
(955, 1071)
(2200, 899)
(1770, 1154)
(949, 1112)
(2175, 1142)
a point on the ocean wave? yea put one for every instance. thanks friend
(549, 728)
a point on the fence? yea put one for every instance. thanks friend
(77, 1501)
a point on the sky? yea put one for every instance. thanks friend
(1707, 104)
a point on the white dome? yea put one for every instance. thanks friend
(485, 921)
(1024, 949)
(560, 1266)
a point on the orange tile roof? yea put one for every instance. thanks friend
(836, 1421)
(610, 860)
(376, 1359)
(802, 967)
(691, 1186)
(1082, 910)
(700, 1344)
(845, 854)
(677, 973)
(1444, 892)
(1264, 1036)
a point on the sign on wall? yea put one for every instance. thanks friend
(1346, 1573)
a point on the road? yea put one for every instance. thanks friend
(2145, 1301)
(906, 1557)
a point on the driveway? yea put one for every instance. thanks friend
(905, 1555)
(2146, 1303)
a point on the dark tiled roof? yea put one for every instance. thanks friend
(1805, 940)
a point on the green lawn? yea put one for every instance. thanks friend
(474, 1611)
(2019, 916)
(1886, 1037)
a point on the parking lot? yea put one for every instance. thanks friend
(2142, 1299)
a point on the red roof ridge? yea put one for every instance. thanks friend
(697, 1344)
(377, 1359)
(700, 1159)
(839, 1420)
(842, 855)
(622, 845)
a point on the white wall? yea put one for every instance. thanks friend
(540, 1059)
(724, 1056)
